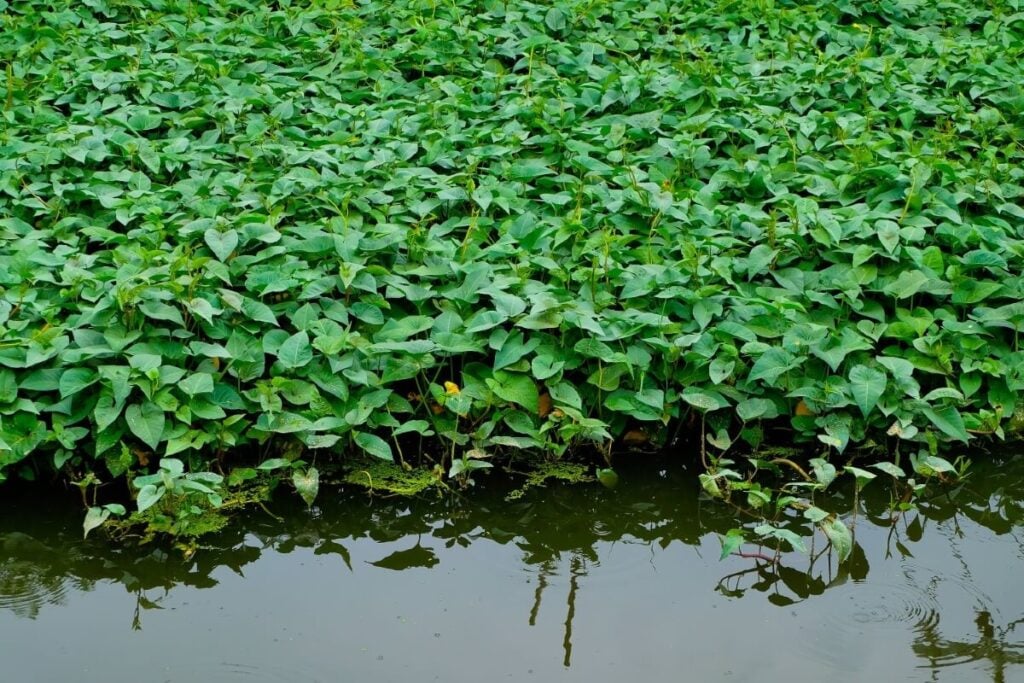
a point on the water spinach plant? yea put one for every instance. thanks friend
(436, 232)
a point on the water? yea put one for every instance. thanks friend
(565, 584)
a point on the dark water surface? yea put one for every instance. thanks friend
(565, 584)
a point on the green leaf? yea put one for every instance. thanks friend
(545, 366)
(754, 408)
(862, 476)
(815, 514)
(565, 394)
(146, 421)
(709, 483)
(516, 388)
(721, 369)
(240, 475)
(837, 430)
(94, 517)
(759, 258)
(930, 465)
(867, 386)
(149, 495)
(197, 383)
(939, 464)
(273, 464)
(888, 235)
(907, 284)
(161, 311)
(974, 291)
(949, 421)
(315, 441)
(555, 19)
(731, 542)
(461, 465)
(513, 349)
(840, 536)
(528, 169)
(771, 365)
(890, 469)
(484, 320)
(222, 244)
(173, 466)
(8, 386)
(608, 477)
(296, 351)
(106, 411)
(824, 471)
(769, 531)
(74, 380)
(415, 427)
(374, 445)
(705, 400)
(258, 312)
(307, 484)
(202, 309)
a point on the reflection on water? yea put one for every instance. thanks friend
(941, 579)
(994, 644)
(27, 579)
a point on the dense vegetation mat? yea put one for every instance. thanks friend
(503, 226)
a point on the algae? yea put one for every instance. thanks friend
(392, 479)
(541, 471)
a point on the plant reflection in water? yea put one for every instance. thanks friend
(572, 530)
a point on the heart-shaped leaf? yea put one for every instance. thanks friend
(222, 244)
(867, 386)
(307, 484)
(840, 536)
(146, 421)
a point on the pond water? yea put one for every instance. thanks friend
(567, 583)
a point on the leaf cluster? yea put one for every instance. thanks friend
(504, 225)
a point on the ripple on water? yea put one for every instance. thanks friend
(936, 611)
(25, 590)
